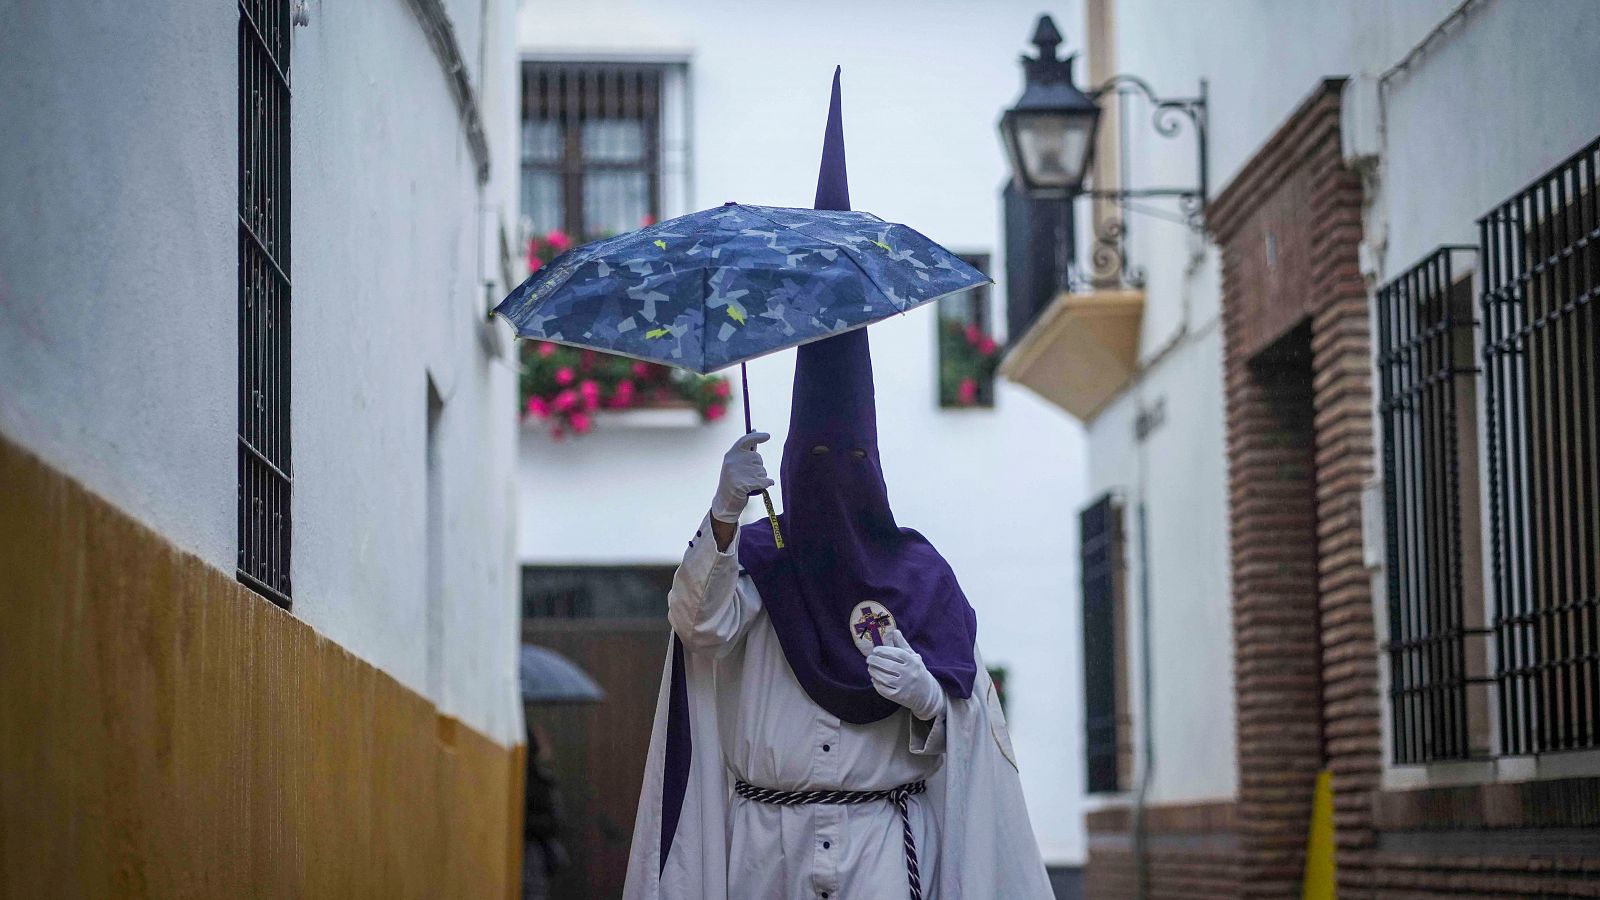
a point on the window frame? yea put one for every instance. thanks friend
(1102, 578)
(574, 91)
(980, 301)
(264, 460)
(1436, 647)
(1540, 255)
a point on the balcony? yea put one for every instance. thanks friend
(1080, 351)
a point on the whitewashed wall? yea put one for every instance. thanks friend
(1510, 68)
(997, 491)
(118, 248)
(118, 309)
(1261, 60)
(1447, 134)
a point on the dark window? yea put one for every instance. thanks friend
(264, 470)
(590, 148)
(1039, 235)
(1105, 704)
(1437, 655)
(1541, 258)
(595, 592)
(968, 354)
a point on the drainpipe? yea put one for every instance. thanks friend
(1147, 754)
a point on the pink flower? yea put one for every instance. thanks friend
(715, 411)
(987, 346)
(565, 400)
(537, 408)
(580, 422)
(591, 394)
(547, 349)
(721, 389)
(973, 334)
(641, 369)
(564, 376)
(967, 393)
(647, 221)
(534, 262)
(622, 396)
(558, 240)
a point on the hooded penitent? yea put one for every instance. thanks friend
(847, 571)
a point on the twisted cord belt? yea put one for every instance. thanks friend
(899, 796)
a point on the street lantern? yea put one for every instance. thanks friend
(1049, 134)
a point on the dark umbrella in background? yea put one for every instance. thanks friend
(725, 285)
(549, 677)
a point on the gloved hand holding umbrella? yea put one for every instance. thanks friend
(725, 285)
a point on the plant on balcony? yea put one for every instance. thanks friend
(544, 247)
(565, 386)
(967, 361)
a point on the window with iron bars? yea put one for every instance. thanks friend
(1428, 403)
(1107, 748)
(590, 148)
(1540, 253)
(264, 461)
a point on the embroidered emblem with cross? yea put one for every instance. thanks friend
(870, 626)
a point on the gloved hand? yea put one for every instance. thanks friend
(899, 674)
(743, 474)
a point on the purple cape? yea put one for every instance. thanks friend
(842, 545)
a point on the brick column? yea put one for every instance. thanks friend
(1299, 410)
(1342, 347)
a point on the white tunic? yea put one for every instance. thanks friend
(775, 736)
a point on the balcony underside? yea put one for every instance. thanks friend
(1080, 351)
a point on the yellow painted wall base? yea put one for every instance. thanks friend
(1320, 882)
(165, 732)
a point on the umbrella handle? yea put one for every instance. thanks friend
(772, 514)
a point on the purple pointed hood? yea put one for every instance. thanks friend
(843, 548)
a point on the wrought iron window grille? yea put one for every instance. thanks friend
(1540, 254)
(591, 147)
(1437, 657)
(265, 480)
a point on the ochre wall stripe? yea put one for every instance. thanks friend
(165, 732)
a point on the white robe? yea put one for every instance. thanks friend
(750, 719)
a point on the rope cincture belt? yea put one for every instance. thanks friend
(900, 797)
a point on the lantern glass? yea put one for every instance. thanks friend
(1053, 148)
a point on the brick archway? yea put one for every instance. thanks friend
(1299, 437)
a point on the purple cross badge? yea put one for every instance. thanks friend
(872, 624)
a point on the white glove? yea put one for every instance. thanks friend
(899, 674)
(743, 474)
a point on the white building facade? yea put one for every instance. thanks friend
(744, 98)
(176, 335)
(1444, 110)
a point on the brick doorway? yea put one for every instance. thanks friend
(1299, 412)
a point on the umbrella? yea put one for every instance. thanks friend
(549, 677)
(724, 285)
(728, 284)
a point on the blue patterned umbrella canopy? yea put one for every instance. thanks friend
(720, 286)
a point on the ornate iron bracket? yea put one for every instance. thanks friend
(1108, 259)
